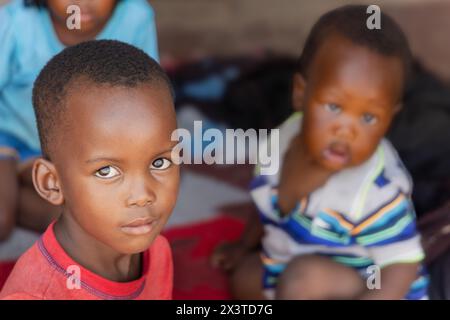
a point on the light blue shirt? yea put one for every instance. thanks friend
(28, 41)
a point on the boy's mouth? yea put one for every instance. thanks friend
(338, 153)
(139, 226)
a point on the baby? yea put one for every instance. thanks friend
(338, 219)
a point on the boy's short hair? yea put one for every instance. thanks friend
(103, 62)
(350, 21)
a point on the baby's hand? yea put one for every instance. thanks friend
(227, 255)
(299, 165)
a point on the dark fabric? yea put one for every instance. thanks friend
(421, 135)
(244, 92)
(261, 98)
(434, 227)
(439, 270)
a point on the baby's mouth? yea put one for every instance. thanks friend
(338, 153)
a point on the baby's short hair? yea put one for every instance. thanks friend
(350, 21)
(103, 62)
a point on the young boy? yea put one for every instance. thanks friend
(31, 33)
(105, 118)
(338, 219)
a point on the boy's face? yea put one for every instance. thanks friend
(349, 99)
(94, 13)
(114, 163)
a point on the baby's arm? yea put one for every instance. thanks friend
(397, 249)
(300, 176)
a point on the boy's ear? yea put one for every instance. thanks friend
(46, 181)
(298, 91)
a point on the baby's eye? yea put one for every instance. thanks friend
(332, 107)
(369, 118)
(107, 172)
(161, 164)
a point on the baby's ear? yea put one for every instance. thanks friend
(398, 108)
(46, 181)
(298, 91)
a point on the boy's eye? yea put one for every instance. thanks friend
(107, 172)
(369, 118)
(161, 164)
(332, 107)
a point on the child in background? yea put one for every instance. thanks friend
(105, 117)
(31, 32)
(341, 205)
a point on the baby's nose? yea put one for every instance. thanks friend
(345, 131)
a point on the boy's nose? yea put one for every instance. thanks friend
(141, 195)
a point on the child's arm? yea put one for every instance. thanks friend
(300, 176)
(227, 255)
(9, 193)
(395, 283)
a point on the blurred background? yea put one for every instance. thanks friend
(229, 27)
(231, 63)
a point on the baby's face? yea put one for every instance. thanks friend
(114, 163)
(350, 98)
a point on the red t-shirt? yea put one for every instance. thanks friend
(44, 272)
